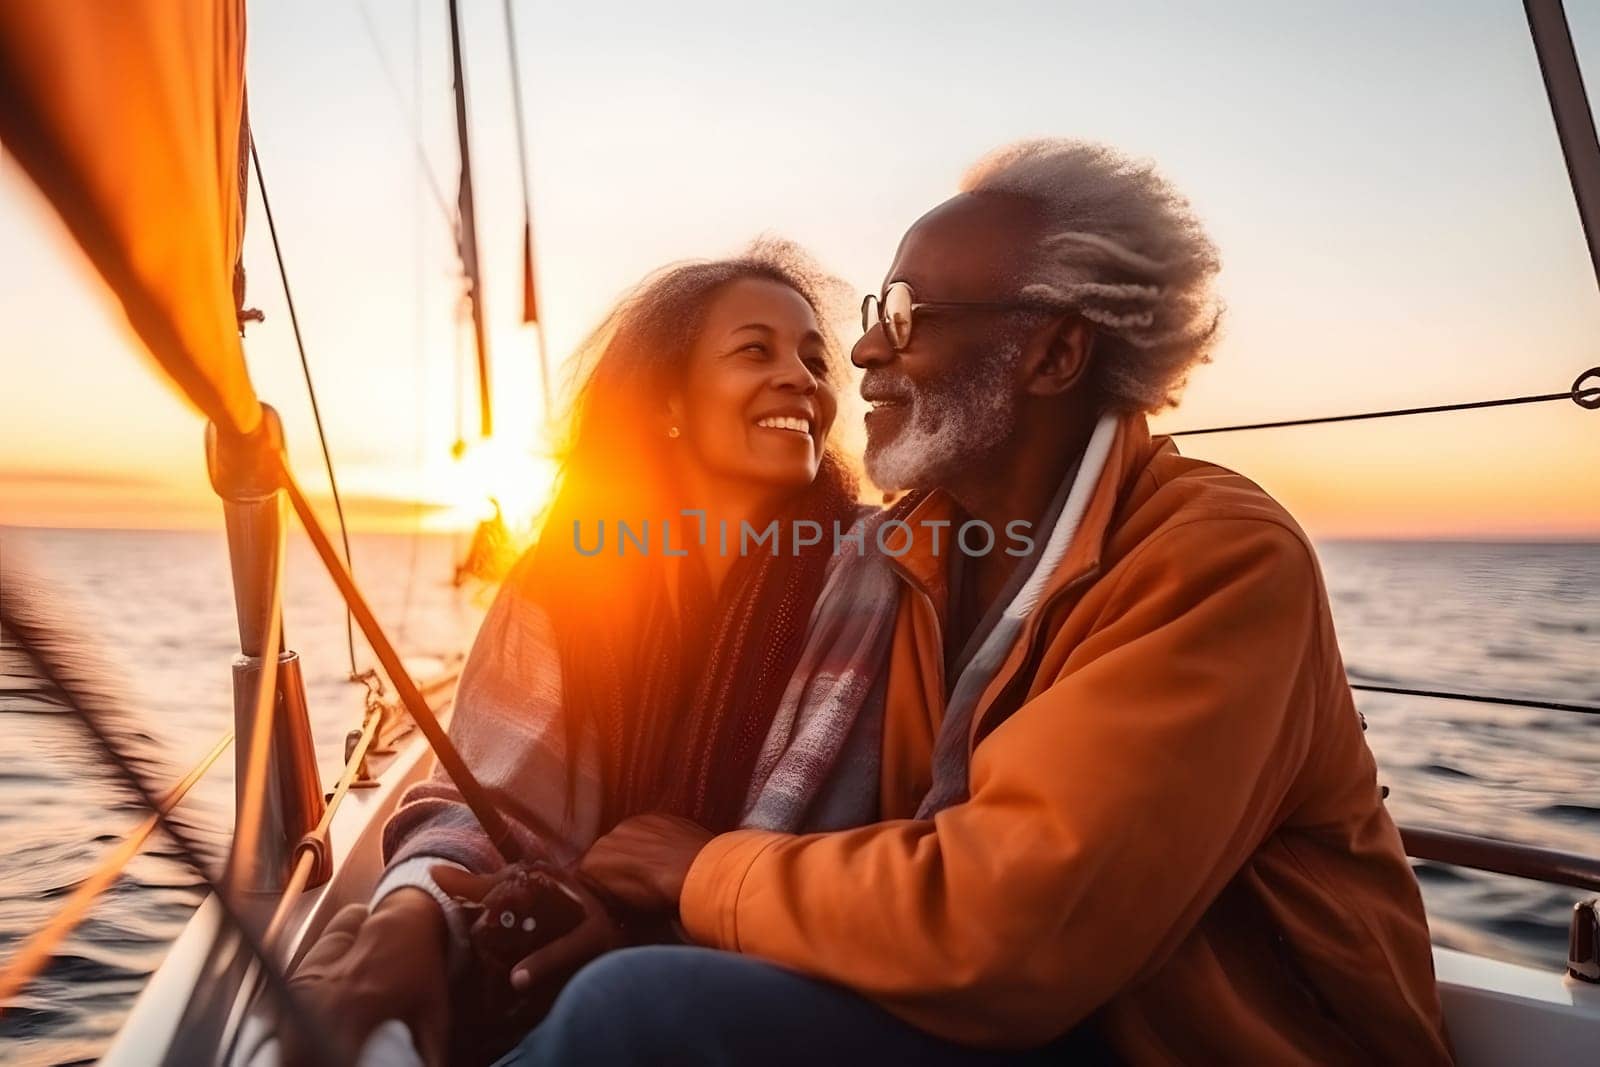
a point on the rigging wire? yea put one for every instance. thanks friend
(311, 390)
(410, 120)
(418, 239)
(1587, 397)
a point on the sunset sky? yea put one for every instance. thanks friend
(1386, 188)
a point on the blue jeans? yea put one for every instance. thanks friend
(677, 1004)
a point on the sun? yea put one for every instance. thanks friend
(494, 473)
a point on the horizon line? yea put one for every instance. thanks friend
(1587, 538)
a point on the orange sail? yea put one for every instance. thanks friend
(130, 117)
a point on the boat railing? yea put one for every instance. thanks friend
(1502, 857)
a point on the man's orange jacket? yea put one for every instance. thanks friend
(1174, 836)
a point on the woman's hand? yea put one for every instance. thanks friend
(644, 860)
(550, 967)
(540, 975)
(365, 969)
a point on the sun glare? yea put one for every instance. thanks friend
(493, 473)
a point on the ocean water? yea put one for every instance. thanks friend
(1511, 619)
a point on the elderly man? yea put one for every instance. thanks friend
(1123, 804)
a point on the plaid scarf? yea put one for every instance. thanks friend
(750, 643)
(832, 709)
(819, 768)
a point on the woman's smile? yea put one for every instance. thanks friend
(756, 401)
(795, 423)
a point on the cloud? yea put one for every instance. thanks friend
(374, 509)
(39, 478)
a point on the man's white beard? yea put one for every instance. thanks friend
(952, 425)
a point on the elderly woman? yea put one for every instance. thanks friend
(634, 658)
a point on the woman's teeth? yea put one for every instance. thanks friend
(785, 422)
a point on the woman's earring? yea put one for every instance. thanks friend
(672, 431)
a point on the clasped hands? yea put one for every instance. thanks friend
(391, 964)
(640, 866)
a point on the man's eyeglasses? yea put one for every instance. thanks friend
(897, 308)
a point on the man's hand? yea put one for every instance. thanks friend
(365, 969)
(644, 860)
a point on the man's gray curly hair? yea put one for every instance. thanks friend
(1124, 250)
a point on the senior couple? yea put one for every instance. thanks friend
(918, 797)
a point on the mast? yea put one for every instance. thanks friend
(467, 229)
(278, 790)
(1569, 104)
(530, 289)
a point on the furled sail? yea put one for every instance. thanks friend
(130, 117)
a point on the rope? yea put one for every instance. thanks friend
(313, 857)
(1512, 702)
(311, 390)
(1583, 396)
